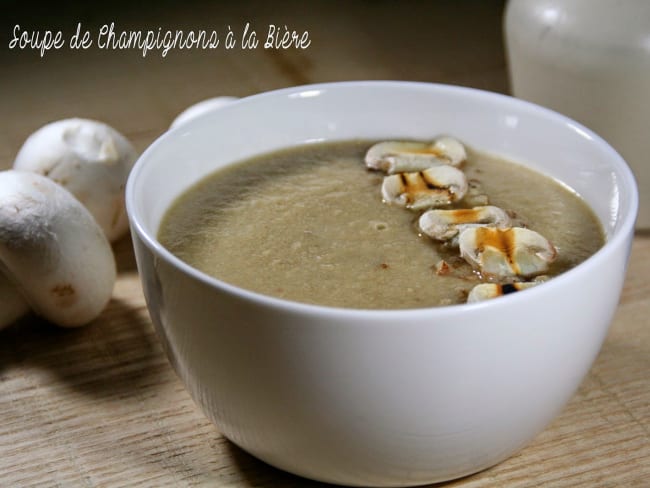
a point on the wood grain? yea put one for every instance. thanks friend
(100, 406)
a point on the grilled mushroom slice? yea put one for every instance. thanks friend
(434, 187)
(408, 156)
(509, 252)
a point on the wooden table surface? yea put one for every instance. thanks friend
(100, 406)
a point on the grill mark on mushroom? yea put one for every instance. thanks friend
(508, 288)
(486, 291)
(501, 240)
(430, 183)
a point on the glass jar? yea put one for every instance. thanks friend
(588, 59)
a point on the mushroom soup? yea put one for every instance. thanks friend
(418, 225)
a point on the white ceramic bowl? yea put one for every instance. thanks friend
(381, 397)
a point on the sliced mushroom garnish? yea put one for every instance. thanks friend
(514, 251)
(445, 225)
(485, 291)
(402, 156)
(433, 187)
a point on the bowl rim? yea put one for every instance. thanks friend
(622, 232)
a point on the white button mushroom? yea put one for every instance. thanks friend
(200, 108)
(52, 251)
(91, 160)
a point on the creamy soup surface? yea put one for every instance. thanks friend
(308, 224)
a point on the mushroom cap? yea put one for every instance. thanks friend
(90, 159)
(200, 108)
(53, 250)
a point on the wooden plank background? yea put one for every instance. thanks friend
(100, 406)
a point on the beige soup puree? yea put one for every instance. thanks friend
(308, 224)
